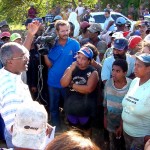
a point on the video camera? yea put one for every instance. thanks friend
(47, 40)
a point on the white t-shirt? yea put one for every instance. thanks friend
(136, 109)
(111, 28)
(79, 10)
(13, 92)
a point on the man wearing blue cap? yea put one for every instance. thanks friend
(120, 23)
(120, 48)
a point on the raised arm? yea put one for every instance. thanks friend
(32, 29)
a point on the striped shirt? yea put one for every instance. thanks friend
(113, 101)
(13, 92)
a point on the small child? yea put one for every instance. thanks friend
(114, 92)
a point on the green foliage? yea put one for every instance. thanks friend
(17, 27)
(15, 11)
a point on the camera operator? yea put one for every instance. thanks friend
(59, 57)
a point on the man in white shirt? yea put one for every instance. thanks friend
(79, 10)
(13, 91)
(109, 22)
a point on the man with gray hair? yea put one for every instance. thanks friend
(13, 91)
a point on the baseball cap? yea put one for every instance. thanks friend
(117, 35)
(15, 36)
(144, 57)
(120, 43)
(134, 41)
(58, 17)
(137, 32)
(38, 19)
(31, 4)
(102, 46)
(95, 27)
(30, 123)
(84, 25)
(143, 23)
(120, 21)
(3, 23)
(5, 34)
(126, 33)
(29, 20)
(87, 52)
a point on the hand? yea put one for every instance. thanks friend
(146, 138)
(119, 132)
(147, 145)
(71, 84)
(33, 27)
(49, 130)
(73, 66)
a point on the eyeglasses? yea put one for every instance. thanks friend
(24, 57)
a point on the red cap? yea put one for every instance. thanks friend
(126, 33)
(4, 34)
(84, 25)
(134, 41)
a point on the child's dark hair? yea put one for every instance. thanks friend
(122, 64)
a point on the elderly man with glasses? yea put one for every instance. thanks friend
(13, 91)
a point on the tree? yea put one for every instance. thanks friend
(16, 10)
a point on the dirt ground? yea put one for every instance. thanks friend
(97, 133)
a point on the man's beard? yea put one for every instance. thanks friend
(117, 56)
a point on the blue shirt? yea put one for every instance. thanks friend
(61, 58)
(107, 67)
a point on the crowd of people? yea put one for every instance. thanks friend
(86, 69)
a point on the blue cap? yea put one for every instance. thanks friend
(87, 52)
(29, 20)
(145, 57)
(58, 17)
(38, 19)
(120, 21)
(137, 32)
(120, 43)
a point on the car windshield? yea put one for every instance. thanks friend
(115, 16)
(99, 18)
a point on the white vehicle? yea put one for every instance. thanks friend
(98, 17)
(147, 17)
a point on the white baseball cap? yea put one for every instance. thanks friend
(117, 35)
(29, 129)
